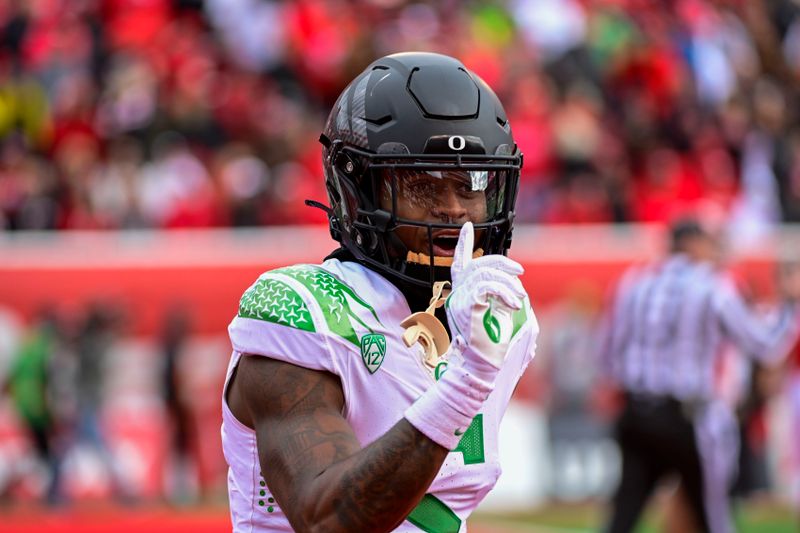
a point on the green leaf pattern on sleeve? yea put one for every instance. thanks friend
(334, 298)
(274, 301)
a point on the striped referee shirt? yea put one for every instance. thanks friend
(668, 324)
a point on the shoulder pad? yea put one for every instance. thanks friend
(311, 298)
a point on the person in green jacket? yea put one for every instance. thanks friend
(28, 385)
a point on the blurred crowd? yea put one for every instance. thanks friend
(574, 390)
(192, 113)
(88, 411)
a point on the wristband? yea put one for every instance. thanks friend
(446, 410)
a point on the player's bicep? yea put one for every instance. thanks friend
(297, 417)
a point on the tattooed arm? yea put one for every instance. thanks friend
(311, 459)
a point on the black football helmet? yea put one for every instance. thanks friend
(416, 113)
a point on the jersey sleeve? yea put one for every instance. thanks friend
(768, 340)
(275, 319)
(523, 342)
(303, 315)
(526, 329)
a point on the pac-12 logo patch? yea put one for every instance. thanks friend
(373, 350)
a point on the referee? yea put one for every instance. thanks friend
(661, 341)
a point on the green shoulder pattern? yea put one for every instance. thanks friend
(335, 298)
(274, 301)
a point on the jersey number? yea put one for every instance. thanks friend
(432, 515)
(471, 444)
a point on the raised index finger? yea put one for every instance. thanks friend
(463, 253)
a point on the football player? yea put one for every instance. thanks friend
(348, 405)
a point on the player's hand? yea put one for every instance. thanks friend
(485, 293)
(464, 265)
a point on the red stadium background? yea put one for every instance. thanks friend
(146, 275)
(155, 155)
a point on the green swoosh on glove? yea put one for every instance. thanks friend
(492, 325)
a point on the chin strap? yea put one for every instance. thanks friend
(320, 205)
(333, 224)
(423, 327)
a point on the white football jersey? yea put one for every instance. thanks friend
(343, 318)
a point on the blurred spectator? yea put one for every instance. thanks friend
(29, 383)
(759, 206)
(579, 445)
(10, 336)
(11, 329)
(784, 422)
(792, 474)
(752, 476)
(626, 111)
(113, 193)
(181, 472)
(175, 189)
(96, 337)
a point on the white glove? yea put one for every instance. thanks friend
(485, 293)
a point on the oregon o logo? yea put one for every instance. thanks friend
(456, 142)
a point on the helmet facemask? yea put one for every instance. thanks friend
(402, 213)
